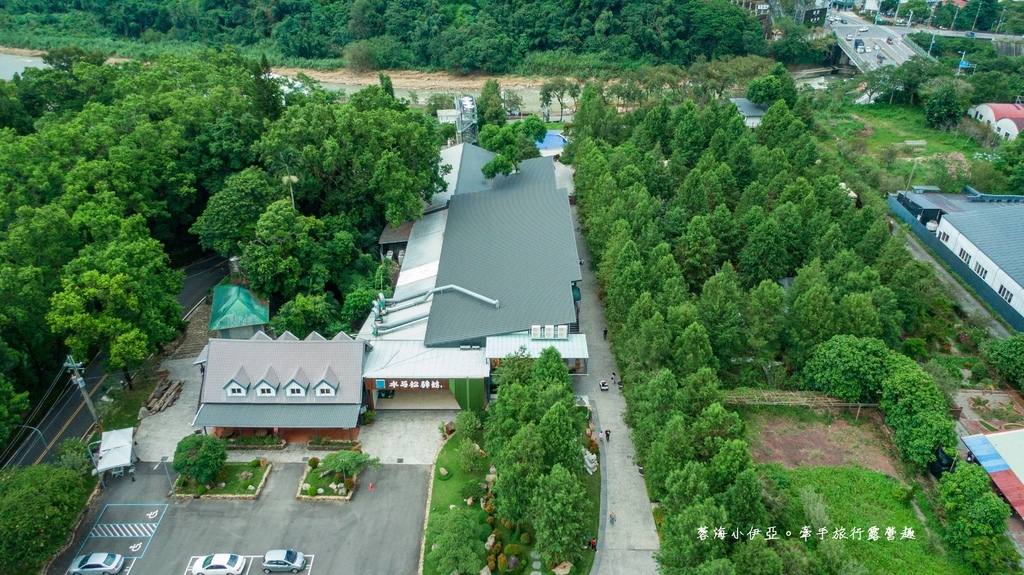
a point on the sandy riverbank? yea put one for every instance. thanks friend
(20, 51)
(413, 80)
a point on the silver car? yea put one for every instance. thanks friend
(283, 560)
(97, 564)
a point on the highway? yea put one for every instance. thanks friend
(68, 416)
(894, 54)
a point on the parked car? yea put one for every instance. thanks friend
(283, 560)
(219, 564)
(876, 47)
(862, 29)
(849, 37)
(969, 34)
(843, 21)
(97, 564)
(604, 385)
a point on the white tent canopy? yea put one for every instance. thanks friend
(115, 449)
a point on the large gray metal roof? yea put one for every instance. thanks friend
(514, 243)
(277, 415)
(338, 362)
(466, 176)
(998, 231)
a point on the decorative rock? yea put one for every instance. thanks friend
(449, 428)
(245, 475)
(221, 485)
(493, 471)
(333, 486)
(513, 562)
(451, 506)
(563, 568)
(490, 478)
(485, 571)
(443, 472)
(469, 501)
(536, 564)
(343, 491)
(434, 546)
(319, 490)
(263, 462)
(305, 487)
(534, 572)
(325, 473)
(490, 542)
(534, 555)
(251, 488)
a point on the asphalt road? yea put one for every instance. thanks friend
(895, 54)
(376, 533)
(69, 417)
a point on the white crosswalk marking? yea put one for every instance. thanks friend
(123, 530)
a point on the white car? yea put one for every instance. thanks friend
(862, 29)
(219, 564)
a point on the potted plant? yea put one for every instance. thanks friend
(368, 417)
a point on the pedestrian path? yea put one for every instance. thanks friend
(627, 547)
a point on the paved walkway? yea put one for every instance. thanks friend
(158, 435)
(625, 548)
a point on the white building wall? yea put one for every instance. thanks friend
(983, 113)
(1006, 128)
(996, 277)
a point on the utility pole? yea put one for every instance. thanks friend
(42, 438)
(77, 378)
(909, 20)
(976, 14)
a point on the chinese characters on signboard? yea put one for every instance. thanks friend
(856, 533)
(416, 384)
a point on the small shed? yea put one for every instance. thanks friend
(1002, 456)
(1008, 128)
(237, 313)
(115, 449)
(750, 111)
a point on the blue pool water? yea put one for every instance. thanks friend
(553, 140)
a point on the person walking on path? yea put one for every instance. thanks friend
(611, 518)
(607, 435)
(606, 333)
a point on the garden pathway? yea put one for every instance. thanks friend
(627, 547)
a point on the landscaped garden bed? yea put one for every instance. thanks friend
(324, 444)
(335, 478)
(233, 481)
(254, 442)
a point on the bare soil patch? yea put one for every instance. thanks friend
(793, 442)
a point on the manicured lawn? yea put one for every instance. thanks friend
(446, 493)
(231, 476)
(857, 497)
(315, 481)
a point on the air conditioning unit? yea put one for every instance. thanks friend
(563, 332)
(390, 255)
(401, 256)
(534, 332)
(549, 332)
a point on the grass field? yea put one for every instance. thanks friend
(859, 498)
(894, 124)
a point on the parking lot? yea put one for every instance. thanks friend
(378, 532)
(252, 564)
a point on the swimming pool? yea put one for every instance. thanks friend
(553, 140)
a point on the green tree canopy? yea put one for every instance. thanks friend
(200, 457)
(560, 515)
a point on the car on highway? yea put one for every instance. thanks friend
(97, 564)
(876, 47)
(849, 37)
(219, 564)
(888, 40)
(283, 561)
(862, 29)
(843, 21)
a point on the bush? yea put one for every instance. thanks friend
(201, 490)
(502, 563)
(489, 507)
(38, 505)
(592, 445)
(73, 454)
(482, 516)
(254, 463)
(311, 491)
(1007, 357)
(485, 532)
(497, 535)
(915, 348)
(495, 550)
(512, 549)
(200, 457)
(490, 520)
(314, 462)
(491, 563)
(473, 489)
(469, 456)
(350, 484)
(247, 485)
(525, 538)
(465, 424)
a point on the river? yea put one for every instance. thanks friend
(11, 65)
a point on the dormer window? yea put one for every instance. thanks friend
(295, 391)
(324, 390)
(237, 391)
(266, 391)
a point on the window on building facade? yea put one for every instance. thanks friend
(943, 236)
(294, 391)
(980, 271)
(265, 391)
(1005, 294)
(965, 256)
(236, 391)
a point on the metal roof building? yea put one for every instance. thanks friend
(501, 259)
(261, 382)
(1002, 456)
